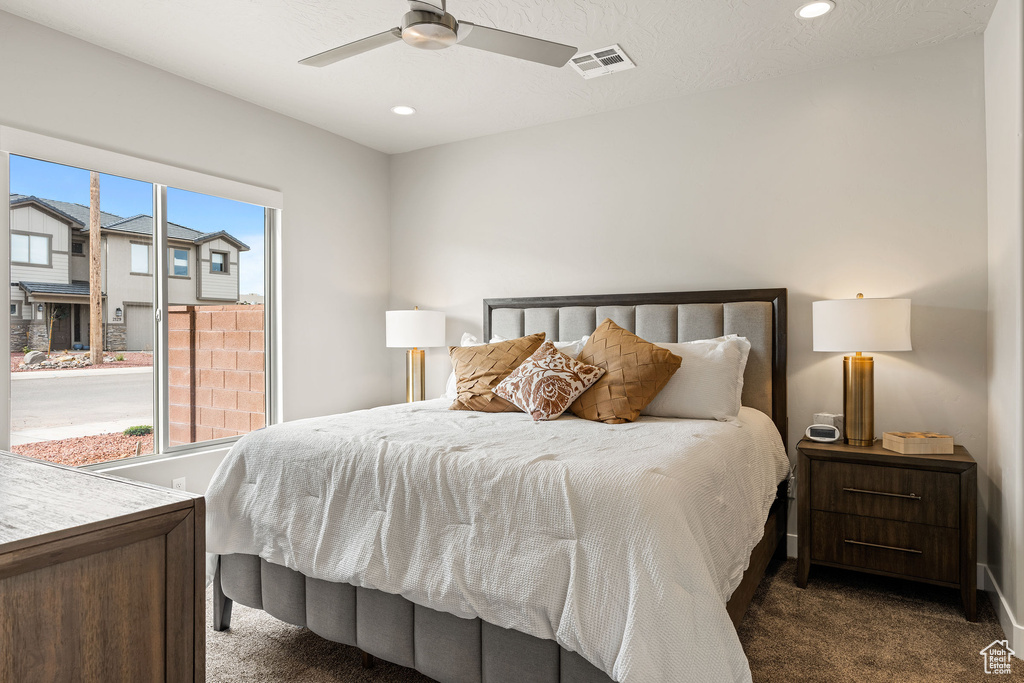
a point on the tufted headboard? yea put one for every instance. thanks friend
(757, 314)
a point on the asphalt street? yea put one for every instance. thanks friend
(78, 403)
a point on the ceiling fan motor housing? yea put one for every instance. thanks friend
(429, 31)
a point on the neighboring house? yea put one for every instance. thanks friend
(50, 273)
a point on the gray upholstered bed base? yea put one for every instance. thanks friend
(442, 646)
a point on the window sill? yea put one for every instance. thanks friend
(172, 453)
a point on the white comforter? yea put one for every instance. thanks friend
(621, 542)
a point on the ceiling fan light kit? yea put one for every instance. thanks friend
(429, 31)
(428, 27)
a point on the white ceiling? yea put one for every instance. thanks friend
(249, 48)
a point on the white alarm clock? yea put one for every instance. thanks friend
(824, 433)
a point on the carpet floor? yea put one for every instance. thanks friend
(843, 628)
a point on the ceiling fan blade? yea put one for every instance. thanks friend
(352, 49)
(514, 44)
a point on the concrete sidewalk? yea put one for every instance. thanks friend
(24, 436)
(44, 374)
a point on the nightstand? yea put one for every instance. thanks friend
(873, 510)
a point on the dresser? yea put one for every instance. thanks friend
(874, 510)
(101, 579)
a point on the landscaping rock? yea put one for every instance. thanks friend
(33, 357)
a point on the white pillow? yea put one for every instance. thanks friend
(569, 348)
(709, 382)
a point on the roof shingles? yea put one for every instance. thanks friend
(140, 224)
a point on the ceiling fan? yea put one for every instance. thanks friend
(429, 27)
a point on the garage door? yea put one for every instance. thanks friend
(139, 321)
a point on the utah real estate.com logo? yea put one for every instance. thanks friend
(997, 657)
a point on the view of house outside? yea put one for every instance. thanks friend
(72, 406)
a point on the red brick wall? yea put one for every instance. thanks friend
(215, 358)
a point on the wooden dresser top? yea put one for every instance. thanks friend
(40, 501)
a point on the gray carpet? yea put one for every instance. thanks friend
(845, 627)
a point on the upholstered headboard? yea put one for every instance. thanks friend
(757, 314)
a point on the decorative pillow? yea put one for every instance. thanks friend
(451, 391)
(636, 370)
(478, 369)
(709, 385)
(547, 382)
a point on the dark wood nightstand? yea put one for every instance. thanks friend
(874, 510)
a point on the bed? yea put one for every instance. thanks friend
(485, 614)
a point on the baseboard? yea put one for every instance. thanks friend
(1011, 627)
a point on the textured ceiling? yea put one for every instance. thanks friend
(249, 48)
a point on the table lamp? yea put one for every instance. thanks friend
(414, 330)
(858, 325)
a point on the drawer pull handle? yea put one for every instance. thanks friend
(908, 496)
(885, 547)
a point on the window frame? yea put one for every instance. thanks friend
(131, 258)
(160, 176)
(16, 313)
(188, 262)
(226, 263)
(29, 236)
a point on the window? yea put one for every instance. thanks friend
(179, 262)
(14, 309)
(218, 262)
(140, 258)
(31, 249)
(78, 248)
(143, 316)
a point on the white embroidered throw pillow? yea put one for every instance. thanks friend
(547, 382)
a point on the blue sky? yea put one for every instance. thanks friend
(125, 197)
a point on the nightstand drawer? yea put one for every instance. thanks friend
(913, 550)
(906, 495)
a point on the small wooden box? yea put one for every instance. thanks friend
(918, 443)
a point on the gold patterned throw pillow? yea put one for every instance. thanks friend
(635, 371)
(478, 369)
(547, 382)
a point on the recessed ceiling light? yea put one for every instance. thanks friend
(403, 110)
(815, 9)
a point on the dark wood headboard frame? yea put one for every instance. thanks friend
(777, 297)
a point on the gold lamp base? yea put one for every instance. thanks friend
(415, 377)
(859, 400)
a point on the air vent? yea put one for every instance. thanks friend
(601, 62)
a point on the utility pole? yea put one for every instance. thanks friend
(95, 284)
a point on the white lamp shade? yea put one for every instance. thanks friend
(850, 325)
(414, 329)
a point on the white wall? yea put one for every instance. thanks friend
(1004, 100)
(867, 177)
(335, 237)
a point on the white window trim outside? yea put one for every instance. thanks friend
(34, 145)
